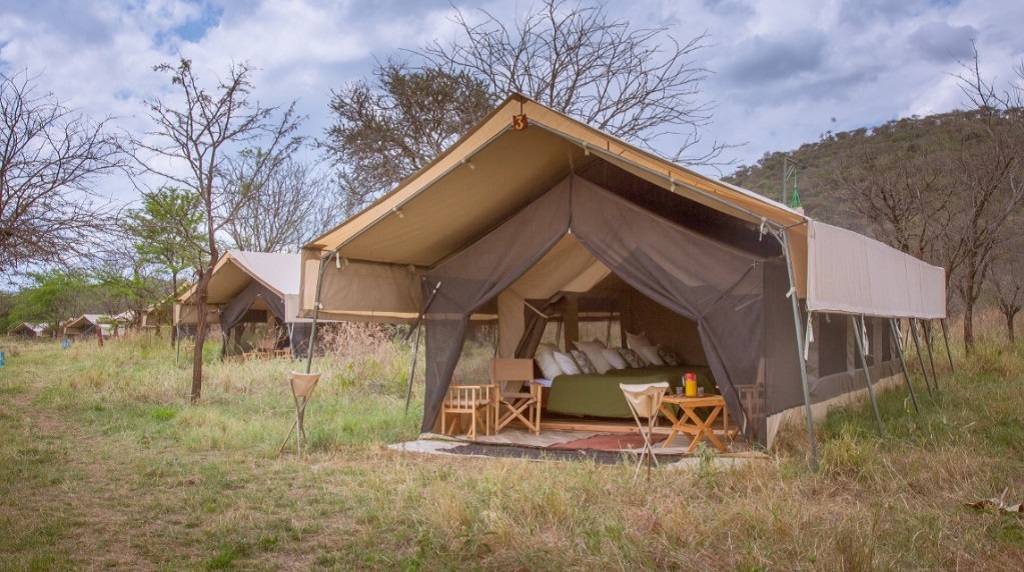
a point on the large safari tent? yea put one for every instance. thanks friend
(533, 216)
(249, 288)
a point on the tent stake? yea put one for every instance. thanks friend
(903, 362)
(931, 358)
(945, 338)
(781, 237)
(858, 331)
(920, 358)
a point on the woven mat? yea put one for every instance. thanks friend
(608, 442)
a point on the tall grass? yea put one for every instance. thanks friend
(104, 464)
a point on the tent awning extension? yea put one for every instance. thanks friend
(501, 166)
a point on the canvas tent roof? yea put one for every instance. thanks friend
(85, 321)
(27, 328)
(237, 270)
(496, 169)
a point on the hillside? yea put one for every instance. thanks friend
(826, 166)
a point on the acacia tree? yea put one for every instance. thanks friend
(53, 296)
(639, 84)
(386, 131)
(291, 203)
(196, 137)
(165, 234)
(50, 158)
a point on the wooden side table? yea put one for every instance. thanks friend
(689, 423)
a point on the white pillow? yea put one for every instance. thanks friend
(613, 358)
(545, 358)
(593, 351)
(634, 341)
(566, 363)
(650, 353)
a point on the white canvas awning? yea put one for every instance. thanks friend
(852, 274)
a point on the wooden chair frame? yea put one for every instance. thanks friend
(518, 396)
(476, 401)
(302, 386)
(645, 403)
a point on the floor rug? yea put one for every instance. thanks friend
(608, 442)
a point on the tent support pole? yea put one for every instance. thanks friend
(858, 332)
(416, 347)
(945, 338)
(412, 370)
(781, 237)
(316, 313)
(920, 357)
(903, 362)
(931, 358)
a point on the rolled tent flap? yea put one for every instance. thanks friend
(853, 274)
(358, 290)
(476, 275)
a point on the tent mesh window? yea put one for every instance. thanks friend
(832, 330)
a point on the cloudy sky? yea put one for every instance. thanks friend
(780, 76)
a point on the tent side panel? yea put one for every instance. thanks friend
(852, 274)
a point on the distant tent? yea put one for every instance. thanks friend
(250, 287)
(30, 330)
(85, 326)
(532, 208)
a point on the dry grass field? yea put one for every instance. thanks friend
(105, 465)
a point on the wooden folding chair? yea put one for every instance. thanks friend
(644, 402)
(302, 385)
(476, 401)
(518, 395)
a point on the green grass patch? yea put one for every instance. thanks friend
(105, 464)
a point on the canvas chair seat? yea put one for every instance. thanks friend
(518, 395)
(644, 401)
(302, 386)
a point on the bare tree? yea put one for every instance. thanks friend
(1007, 279)
(191, 146)
(278, 213)
(50, 158)
(987, 167)
(637, 84)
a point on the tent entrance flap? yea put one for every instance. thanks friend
(719, 286)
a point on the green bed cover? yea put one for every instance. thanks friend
(599, 395)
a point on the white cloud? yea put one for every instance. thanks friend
(780, 73)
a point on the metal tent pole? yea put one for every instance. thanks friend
(858, 332)
(903, 361)
(416, 327)
(945, 338)
(316, 314)
(781, 237)
(920, 357)
(931, 358)
(412, 370)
